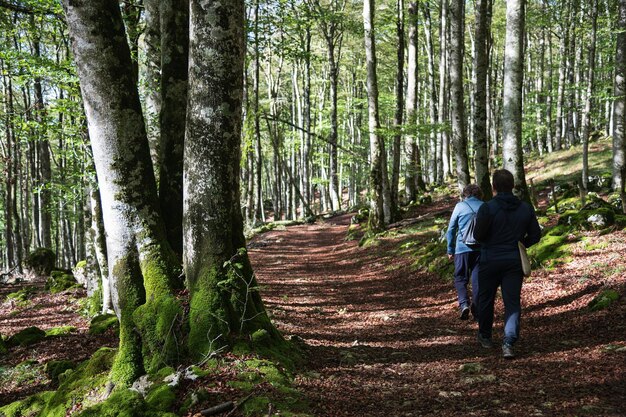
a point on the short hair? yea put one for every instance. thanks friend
(472, 190)
(503, 181)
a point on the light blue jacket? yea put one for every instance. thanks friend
(458, 222)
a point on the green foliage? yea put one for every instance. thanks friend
(41, 261)
(60, 281)
(549, 248)
(603, 300)
(102, 323)
(27, 337)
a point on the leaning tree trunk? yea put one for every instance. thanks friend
(619, 115)
(377, 146)
(479, 122)
(142, 266)
(225, 302)
(174, 60)
(513, 159)
(457, 106)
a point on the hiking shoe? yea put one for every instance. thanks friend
(507, 351)
(485, 341)
(465, 311)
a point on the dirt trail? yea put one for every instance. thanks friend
(385, 340)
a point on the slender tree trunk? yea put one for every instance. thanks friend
(586, 123)
(410, 143)
(397, 139)
(443, 170)
(377, 147)
(457, 106)
(560, 100)
(150, 75)
(479, 121)
(259, 209)
(513, 159)
(432, 108)
(619, 115)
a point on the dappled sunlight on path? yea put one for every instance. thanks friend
(385, 340)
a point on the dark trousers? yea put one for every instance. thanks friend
(507, 275)
(466, 266)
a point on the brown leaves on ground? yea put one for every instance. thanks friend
(385, 340)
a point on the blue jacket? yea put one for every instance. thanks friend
(501, 223)
(461, 217)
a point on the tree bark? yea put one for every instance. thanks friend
(457, 106)
(443, 169)
(513, 159)
(377, 146)
(397, 122)
(586, 122)
(619, 115)
(224, 295)
(174, 62)
(479, 121)
(142, 266)
(432, 108)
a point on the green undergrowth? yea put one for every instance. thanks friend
(60, 331)
(22, 296)
(256, 370)
(604, 299)
(60, 281)
(101, 323)
(277, 225)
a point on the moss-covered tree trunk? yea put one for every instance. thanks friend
(141, 264)
(619, 114)
(225, 302)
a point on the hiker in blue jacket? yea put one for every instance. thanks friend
(465, 257)
(500, 224)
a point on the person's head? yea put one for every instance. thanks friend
(472, 190)
(503, 181)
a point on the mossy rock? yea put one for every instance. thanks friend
(549, 248)
(360, 217)
(604, 300)
(102, 323)
(60, 281)
(41, 261)
(21, 295)
(28, 336)
(593, 219)
(161, 397)
(60, 331)
(55, 368)
(124, 403)
(89, 378)
(29, 406)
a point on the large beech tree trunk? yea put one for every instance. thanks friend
(513, 159)
(141, 264)
(224, 295)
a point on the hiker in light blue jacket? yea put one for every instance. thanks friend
(465, 258)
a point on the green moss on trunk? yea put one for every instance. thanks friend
(128, 364)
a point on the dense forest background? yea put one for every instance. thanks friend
(442, 106)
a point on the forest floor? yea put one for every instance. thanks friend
(382, 334)
(384, 337)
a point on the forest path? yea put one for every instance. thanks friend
(384, 340)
